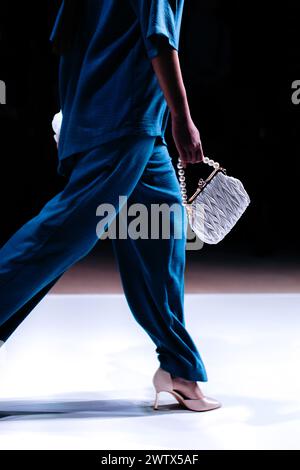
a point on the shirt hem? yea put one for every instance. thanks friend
(102, 138)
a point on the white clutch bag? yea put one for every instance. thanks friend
(217, 204)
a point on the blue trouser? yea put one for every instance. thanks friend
(64, 231)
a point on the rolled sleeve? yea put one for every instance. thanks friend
(159, 19)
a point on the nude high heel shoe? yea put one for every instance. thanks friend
(163, 382)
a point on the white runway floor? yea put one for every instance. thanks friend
(78, 375)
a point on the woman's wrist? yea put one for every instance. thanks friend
(181, 112)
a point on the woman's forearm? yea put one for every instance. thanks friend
(186, 135)
(167, 69)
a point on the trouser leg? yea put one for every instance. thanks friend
(152, 271)
(65, 229)
(7, 328)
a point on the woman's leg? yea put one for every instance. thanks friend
(152, 271)
(65, 229)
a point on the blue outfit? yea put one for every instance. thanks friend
(137, 165)
(107, 85)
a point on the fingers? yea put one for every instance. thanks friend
(196, 154)
(200, 154)
(191, 155)
(184, 158)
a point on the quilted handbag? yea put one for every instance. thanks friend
(217, 204)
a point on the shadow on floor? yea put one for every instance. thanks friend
(261, 412)
(116, 408)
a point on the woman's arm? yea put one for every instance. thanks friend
(186, 136)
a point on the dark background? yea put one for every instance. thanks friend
(239, 60)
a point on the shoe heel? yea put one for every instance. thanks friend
(155, 406)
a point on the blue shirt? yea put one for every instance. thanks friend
(107, 85)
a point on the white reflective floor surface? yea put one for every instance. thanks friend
(78, 374)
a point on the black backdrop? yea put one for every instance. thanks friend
(239, 60)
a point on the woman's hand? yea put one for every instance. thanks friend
(187, 140)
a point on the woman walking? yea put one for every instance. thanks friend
(119, 80)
